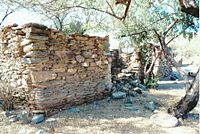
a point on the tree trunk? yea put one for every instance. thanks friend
(189, 7)
(141, 72)
(188, 102)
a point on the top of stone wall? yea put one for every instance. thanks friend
(44, 30)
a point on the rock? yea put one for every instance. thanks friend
(36, 37)
(125, 89)
(138, 90)
(133, 93)
(142, 87)
(51, 120)
(36, 31)
(72, 70)
(40, 131)
(38, 118)
(132, 108)
(74, 110)
(119, 95)
(87, 54)
(164, 120)
(35, 25)
(12, 116)
(51, 123)
(38, 111)
(36, 54)
(24, 117)
(41, 76)
(34, 60)
(128, 100)
(1, 103)
(150, 106)
(33, 47)
(96, 105)
(9, 113)
(109, 99)
(175, 76)
(80, 58)
(127, 85)
(13, 119)
(134, 82)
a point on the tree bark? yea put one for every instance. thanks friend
(188, 102)
(141, 73)
(189, 7)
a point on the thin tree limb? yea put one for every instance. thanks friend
(170, 27)
(160, 19)
(6, 15)
(110, 7)
(151, 66)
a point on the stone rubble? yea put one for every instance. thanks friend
(38, 118)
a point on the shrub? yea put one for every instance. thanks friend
(6, 95)
(151, 82)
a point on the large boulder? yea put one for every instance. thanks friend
(164, 120)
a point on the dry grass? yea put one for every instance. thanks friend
(7, 96)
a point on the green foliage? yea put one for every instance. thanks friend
(151, 82)
(145, 16)
(75, 27)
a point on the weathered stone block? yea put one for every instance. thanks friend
(35, 25)
(34, 47)
(80, 58)
(41, 76)
(59, 67)
(34, 60)
(36, 31)
(87, 54)
(72, 70)
(36, 54)
(36, 37)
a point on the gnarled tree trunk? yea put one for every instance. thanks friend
(189, 7)
(188, 102)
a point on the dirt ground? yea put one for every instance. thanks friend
(111, 116)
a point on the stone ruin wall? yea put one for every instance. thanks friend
(129, 62)
(49, 70)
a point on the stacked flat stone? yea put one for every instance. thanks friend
(53, 70)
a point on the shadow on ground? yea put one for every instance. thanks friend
(111, 116)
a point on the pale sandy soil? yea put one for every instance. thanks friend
(105, 117)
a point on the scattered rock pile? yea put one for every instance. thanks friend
(52, 70)
(125, 75)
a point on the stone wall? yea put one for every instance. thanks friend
(51, 70)
(131, 63)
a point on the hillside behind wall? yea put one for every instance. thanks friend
(51, 70)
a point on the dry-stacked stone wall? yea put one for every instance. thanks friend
(51, 70)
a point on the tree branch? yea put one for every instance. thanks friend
(136, 33)
(126, 10)
(170, 27)
(132, 34)
(152, 65)
(110, 7)
(6, 15)
(106, 12)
